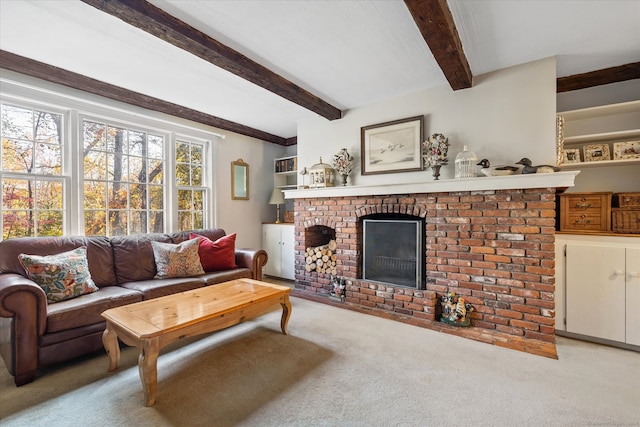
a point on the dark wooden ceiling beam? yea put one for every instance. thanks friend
(155, 21)
(605, 76)
(30, 67)
(435, 22)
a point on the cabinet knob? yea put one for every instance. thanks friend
(619, 273)
(633, 274)
(583, 205)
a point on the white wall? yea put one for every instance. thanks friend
(506, 115)
(245, 217)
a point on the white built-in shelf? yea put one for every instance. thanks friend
(288, 178)
(601, 110)
(622, 135)
(602, 163)
(509, 182)
(604, 124)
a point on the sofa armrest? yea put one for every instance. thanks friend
(25, 303)
(253, 259)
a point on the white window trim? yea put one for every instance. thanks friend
(76, 106)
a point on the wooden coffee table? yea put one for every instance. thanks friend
(153, 324)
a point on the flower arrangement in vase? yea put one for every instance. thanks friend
(435, 151)
(343, 164)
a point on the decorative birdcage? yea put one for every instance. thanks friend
(321, 175)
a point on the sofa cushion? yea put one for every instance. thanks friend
(213, 234)
(99, 254)
(226, 275)
(87, 309)
(155, 288)
(61, 276)
(133, 256)
(218, 255)
(181, 260)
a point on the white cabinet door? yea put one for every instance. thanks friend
(595, 291)
(271, 242)
(633, 296)
(288, 252)
(278, 241)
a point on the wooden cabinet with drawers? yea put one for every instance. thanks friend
(585, 212)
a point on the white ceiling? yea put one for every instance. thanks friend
(349, 53)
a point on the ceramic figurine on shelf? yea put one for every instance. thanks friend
(488, 170)
(536, 169)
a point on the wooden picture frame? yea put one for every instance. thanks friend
(571, 155)
(392, 147)
(239, 180)
(626, 150)
(596, 152)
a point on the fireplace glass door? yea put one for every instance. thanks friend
(393, 252)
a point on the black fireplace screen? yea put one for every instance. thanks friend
(393, 252)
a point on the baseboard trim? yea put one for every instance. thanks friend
(596, 340)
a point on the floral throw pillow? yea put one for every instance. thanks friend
(180, 260)
(61, 276)
(217, 255)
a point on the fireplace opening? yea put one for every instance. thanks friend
(318, 235)
(393, 250)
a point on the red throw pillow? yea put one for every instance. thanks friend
(218, 255)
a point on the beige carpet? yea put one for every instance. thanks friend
(337, 368)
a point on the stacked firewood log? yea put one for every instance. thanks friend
(321, 259)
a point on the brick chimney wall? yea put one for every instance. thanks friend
(496, 248)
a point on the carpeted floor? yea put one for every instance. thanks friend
(337, 368)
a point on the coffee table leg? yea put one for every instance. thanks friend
(286, 313)
(148, 368)
(110, 342)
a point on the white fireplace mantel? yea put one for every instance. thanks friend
(509, 182)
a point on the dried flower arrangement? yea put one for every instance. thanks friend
(435, 150)
(343, 162)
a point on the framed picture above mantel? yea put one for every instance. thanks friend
(391, 147)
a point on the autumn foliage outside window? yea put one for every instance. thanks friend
(33, 186)
(113, 175)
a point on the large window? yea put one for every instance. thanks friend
(31, 162)
(123, 180)
(101, 176)
(191, 189)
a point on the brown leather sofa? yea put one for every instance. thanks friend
(34, 334)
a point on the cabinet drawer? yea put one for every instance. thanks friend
(585, 212)
(585, 221)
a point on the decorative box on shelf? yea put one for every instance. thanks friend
(585, 212)
(625, 220)
(627, 200)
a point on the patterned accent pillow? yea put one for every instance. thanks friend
(177, 260)
(61, 276)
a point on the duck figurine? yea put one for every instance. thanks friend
(488, 170)
(536, 169)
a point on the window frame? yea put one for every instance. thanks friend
(65, 169)
(77, 106)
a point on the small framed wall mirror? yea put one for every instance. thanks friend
(239, 180)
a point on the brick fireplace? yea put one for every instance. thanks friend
(496, 248)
